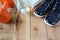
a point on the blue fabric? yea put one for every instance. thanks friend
(41, 10)
(54, 16)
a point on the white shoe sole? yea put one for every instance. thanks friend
(38, 15)
(48, 23)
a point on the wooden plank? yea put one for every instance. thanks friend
(8, 30)
(53, 32)
(57, 31)
(21, 26)
(38, 29)
(28, 23)
(24, 26)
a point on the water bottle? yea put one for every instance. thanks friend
(21, 4)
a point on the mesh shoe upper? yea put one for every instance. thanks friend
(41, 10)
(54, 16)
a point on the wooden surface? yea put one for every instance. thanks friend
(8, 30)
(38, 29)
(28, 27)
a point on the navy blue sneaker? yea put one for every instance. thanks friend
(42, 9)
(54, 16)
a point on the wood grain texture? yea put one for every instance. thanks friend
(8, 30)
(38, 29)
(27, 27)
(53, 32)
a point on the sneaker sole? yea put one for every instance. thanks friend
(47, 23)
(38, 15)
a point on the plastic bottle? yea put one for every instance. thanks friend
(21, 4)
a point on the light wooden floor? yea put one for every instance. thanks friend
(37, 30)
(28, 27)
